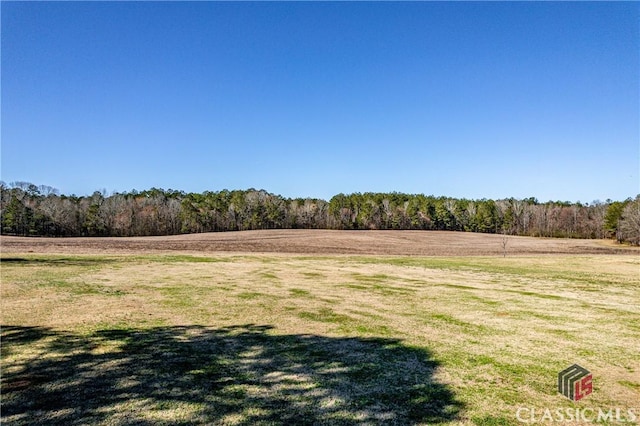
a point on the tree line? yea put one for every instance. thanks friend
(30, 210)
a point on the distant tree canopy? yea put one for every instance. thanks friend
(30, 210)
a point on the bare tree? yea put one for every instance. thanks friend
(629, 227)
(504, 242)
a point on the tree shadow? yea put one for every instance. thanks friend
(241, 375)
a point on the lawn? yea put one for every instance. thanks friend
(274, 339)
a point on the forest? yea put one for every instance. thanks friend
(38, 210)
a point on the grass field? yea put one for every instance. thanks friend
(243, 339)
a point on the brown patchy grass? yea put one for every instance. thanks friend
(224, 338)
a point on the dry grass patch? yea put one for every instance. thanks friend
(172, 339)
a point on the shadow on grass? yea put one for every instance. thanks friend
(13, 260)
(57, 261)
(242, 375)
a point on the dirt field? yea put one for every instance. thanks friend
(400, 243)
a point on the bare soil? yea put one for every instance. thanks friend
(401, 243)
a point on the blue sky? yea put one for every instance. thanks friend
(312, 99)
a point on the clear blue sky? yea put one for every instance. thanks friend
(311, 99)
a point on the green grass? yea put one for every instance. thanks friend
(375, 278)
(504, 267)
(268, 275)
(248, 295)
(253, 339)
(313, 275)
(326, 315)
(297, 292)
(629, 384)
(449, 320)
(181, 259)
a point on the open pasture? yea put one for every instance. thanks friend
(180, 336)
